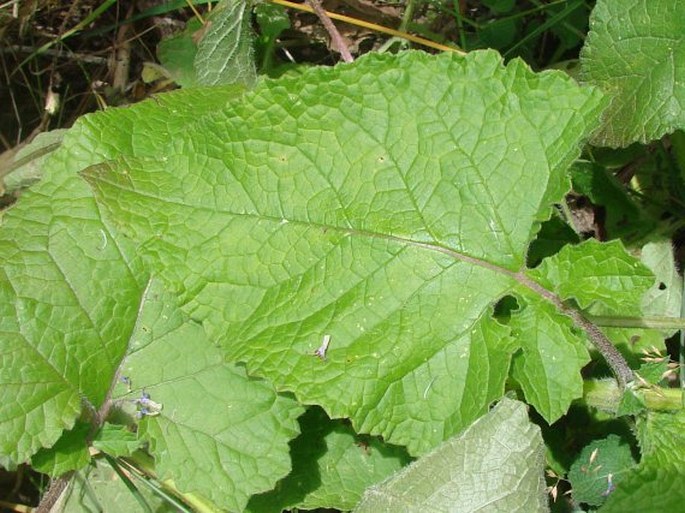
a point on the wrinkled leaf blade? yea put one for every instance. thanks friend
(68, 298)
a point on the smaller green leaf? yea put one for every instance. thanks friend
(332, 466)
(634, 51)
(596, 272)
(116, 440)
(224, 54)
(625, 219)
(568, 25)
(499, 33)
(272, 19)
(662, 438)
(499, 6)
(496, 464)
(548, 368)
(656, 485)
(70, 452)
(630, 404)
(599, 468)
(177, 54)
(554, 234)
(665, 296)
(653, 372)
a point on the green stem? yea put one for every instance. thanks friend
(605, 395)
(460, 25)
(661, 323)
(142, 466)
(408, 15)
(129, 484)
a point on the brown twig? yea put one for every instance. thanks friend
(336, 38)
(122, 56)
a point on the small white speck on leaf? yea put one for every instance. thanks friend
(321, 351)
(425, 392)
(104, 240)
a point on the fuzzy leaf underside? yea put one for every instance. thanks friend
(495, 465)
(77, 308)
(635, 51)
(372, 203)
(600, 466)
(657, 483)
(224, 54)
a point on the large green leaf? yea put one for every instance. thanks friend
(635, 51)
(387, 205)
(495, 465)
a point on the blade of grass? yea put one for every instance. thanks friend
(87, 489)
(661, 323)
(459, 17)
(374, 27)
(77, 28)
(553, 20)
(129, 484)
(141, 466)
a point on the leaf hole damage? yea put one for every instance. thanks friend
(505, 307)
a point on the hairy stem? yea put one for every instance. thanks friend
(54, 492)
(624, 374)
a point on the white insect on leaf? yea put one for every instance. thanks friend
(321, 351)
